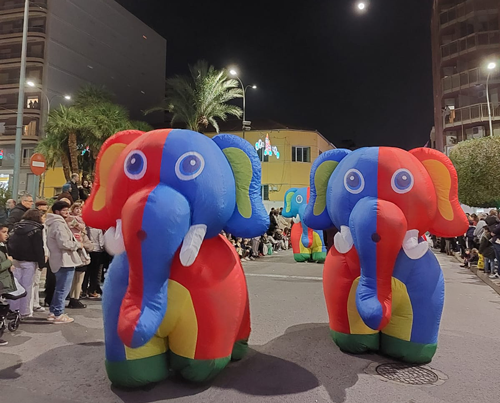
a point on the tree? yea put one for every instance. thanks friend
(478, 168)
(198, 100)
(75, 134)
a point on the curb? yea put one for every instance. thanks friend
(482, 276)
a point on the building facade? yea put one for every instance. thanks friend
(465, 39)
(72, 43)
(292, 150)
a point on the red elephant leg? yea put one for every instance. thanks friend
(219, 296)
(340, 275)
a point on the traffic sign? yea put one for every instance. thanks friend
(38, 164)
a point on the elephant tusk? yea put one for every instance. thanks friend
(113, 240)
(343, 240)
(296, 219)
(192, 244)
(412, 248)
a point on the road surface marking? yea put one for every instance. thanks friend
(284, 276)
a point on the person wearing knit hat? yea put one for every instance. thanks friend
(66, 193)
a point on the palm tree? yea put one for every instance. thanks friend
(201, 98)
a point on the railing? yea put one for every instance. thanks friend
(470, 42)
(12, 108)
(464, 8)
(20, 5)
(465, 79)
(471, 114)
(15, 55)
(19, 30)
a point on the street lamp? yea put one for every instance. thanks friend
(234, 73)
(491, 66)
(361, 6)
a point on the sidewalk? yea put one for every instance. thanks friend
(493, 283)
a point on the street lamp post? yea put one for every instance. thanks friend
(234, 73)
(491, 66)
(20, 104)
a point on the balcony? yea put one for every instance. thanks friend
(470, 43)
(9, 110)
(17, 34)
(472, 114)
(8, 10)
(466, 79)
(465, 10)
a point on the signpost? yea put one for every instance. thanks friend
(38, 166)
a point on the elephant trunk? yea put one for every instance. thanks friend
(154, 223)
(378, 228)
(307, 239)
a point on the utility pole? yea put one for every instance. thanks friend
(20, 105)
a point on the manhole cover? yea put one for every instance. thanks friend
(408, 374)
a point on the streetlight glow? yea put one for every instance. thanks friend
(67, 97)
(361, 6)
(492, 66)
(233, 72)
(254, 87)
(30, 84)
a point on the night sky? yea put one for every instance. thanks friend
(318, 64)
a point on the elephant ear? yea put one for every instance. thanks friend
(287, 209)
(316, 215)
(249, 218)
(450, 219)
(96, 213)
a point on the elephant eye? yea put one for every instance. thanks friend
(136, 165)
(354, 181)
(299, 199)
(189, 166)
(402, 181)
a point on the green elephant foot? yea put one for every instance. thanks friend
(197, 370)
(319, 257)
(240, 349)
(356, 343)
(302, 257)
(407, 351)
(136, 373)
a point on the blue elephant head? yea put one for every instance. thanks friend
(169, 190)
(296, 200)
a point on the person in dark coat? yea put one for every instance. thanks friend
(75, 193)
(21, 208)
(84, 190)
(486, 249)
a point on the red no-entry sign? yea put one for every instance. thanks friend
(38, 164)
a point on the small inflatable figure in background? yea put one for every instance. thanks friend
(175, 299)
(308, 245)
(384, 288)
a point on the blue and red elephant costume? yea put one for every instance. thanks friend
(308, 245)
(175, 299)
(384, 288)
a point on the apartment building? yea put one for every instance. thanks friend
(465, 41)
(72, 43)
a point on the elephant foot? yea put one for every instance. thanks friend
(407, 351)
(197, 370)
(240, 349)
(302, 257)
(140, 372)
(319, 257)
(356, 343)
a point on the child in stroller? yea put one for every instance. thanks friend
(10, 289)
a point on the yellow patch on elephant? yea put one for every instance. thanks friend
(401, 323)
(180, 324)
(356, 324)
(243, 172)
(108, 160)
(442, 183)
(288, 201)
(321, 178)
(156, 346)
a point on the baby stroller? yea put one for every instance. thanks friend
(10, 319)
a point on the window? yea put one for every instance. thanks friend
(266, 157)
(301, 154)
(27, 153)
(264, 191)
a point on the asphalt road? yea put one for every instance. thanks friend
(292, 358)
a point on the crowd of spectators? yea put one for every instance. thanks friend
(480, 245)
(35, 237)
